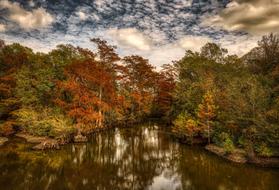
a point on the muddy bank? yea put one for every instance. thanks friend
(266, 162)
(240, 156)
(44, 143)
(30, 138)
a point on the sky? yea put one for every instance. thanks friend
(160, 30)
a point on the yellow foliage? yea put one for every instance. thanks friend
(44, 123)
(185, 127)
(206, 113)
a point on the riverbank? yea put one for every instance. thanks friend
(44, 143)
(240, 156)
(237, 155)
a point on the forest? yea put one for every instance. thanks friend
(209, 96)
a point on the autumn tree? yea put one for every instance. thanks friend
(138, 85)
(12, 58)
(107, 60)
(80, 93)
(186, 127)
(89, 91)
(206, 113)
(164, 91)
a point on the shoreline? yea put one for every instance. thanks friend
(239, 156)
(48, 143)
(45, 143)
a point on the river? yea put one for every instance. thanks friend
(136, 158)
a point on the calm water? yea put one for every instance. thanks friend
(135, 158)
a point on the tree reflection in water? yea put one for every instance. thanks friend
(131, 158)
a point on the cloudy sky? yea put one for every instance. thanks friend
(160, 30)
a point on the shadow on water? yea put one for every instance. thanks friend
(129, 158)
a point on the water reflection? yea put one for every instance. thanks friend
(133, 158)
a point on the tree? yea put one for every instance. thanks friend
(137, 85)
(107, 60)
(269, 47)
(206, 113)
(214, 52)
(164, 92)
(79, 94)
(264, 61)
(12, 58)
(186, 126)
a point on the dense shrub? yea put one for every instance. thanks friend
(263, 150)
(44, 123)
(228, 145)
(186, 127)
(224, 140)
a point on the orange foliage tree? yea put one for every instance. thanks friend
(165, 86)
(89, 92)
(80, 92)
(206, 113)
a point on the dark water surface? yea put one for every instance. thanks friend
(131, 158)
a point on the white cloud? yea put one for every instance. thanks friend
(163, 54)
(131, 37)
(2, 28)
(239, 45)
(193, 43)
(145, 43)
(31, 3)
(82, 15)
(255, 17)
(158, 54)
(35, 19)
(183, 3)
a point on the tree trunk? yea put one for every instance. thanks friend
(208, 130)
(100, 110)
(250, 150)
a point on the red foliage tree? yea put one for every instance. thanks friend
(138, 85)
(89, 92)
(165, 87)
